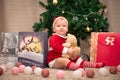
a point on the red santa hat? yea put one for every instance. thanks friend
(58, 18)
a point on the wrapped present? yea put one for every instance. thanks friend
(105, 47)
(32, 48)
(8, 42)
(93, 46)
(108, 49)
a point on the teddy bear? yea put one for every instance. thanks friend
(71, 42)
(31, 44)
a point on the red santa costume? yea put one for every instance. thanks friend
(56, 50)
(55, 47)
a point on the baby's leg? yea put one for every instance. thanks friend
(92, 64)
(60, 63)
(64, 62)
(88, 64)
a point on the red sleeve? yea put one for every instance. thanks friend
(56, 43)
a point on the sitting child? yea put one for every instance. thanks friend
(54, 59)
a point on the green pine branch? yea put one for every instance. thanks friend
(89, 13)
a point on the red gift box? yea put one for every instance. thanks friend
(93, 45)
(108, 49)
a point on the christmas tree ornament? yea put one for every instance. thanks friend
(15, 70)
(77, 74)
(33, 68)
(88, 29)
(37, 71)
(17, 64)
(96, 20)
(45, 72)
(103, 71)
(63, 11)
(86, 18)
(118, 68)
(21, 68)
(75, 18)
(60, 74)
(113, 70)
(10, 65)
(83, 71)
(90, 73)
(1, 71)
(28, 70)
(55, 2)
(4, 67)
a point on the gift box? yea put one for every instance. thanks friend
(93, 46)
(32, 48)
(105, 47)
(8, 42)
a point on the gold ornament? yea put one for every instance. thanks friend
(55, 2)
(88, 29)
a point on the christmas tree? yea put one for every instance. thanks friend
(84, 16)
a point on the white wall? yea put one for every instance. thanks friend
(114, 15)
(19, 15)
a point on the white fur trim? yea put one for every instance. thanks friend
(65, 37)
(60, 17)
(51, 63)
(78, 62)
(50, 48)
(65, 49)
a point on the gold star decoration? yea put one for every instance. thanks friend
(75, 18)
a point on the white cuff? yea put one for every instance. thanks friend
(78, 62)
(65, 50)
(51, 63)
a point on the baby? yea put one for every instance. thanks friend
(54, 59)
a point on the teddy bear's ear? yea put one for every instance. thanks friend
(69, 34)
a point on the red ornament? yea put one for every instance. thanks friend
(1, 71)
(21, 68)
(15, 70)
(45, 72)
(113, 70)
(118, 68)
(60, 74)
(33, 68)
(90, 73)
(18, 64)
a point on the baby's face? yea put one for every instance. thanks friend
(61, 27)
